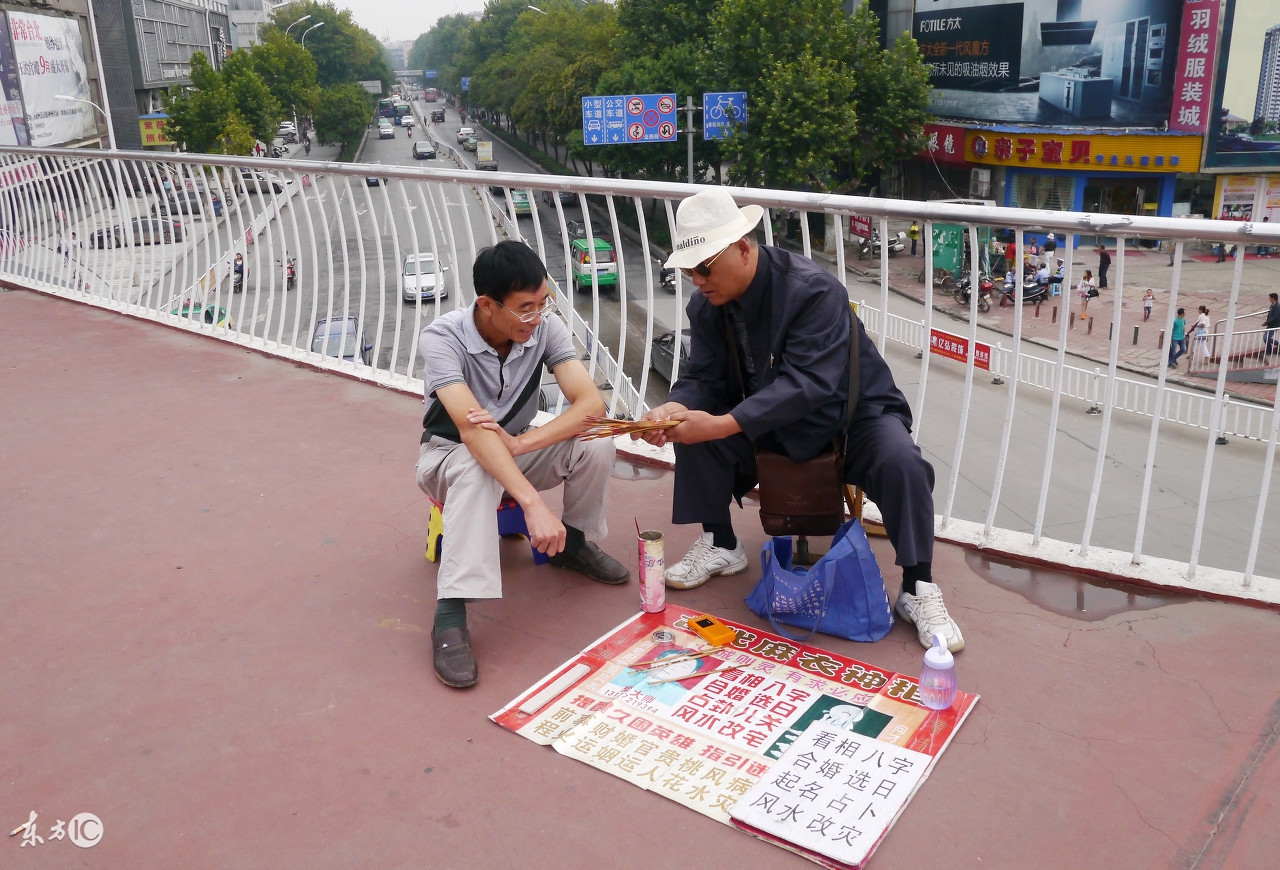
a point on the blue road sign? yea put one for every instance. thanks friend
(629, 119)
(466, 83)
(428, 73)
(720, 111)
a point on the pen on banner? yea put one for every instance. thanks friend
(21, 827)
(662, 663)
(695, 675)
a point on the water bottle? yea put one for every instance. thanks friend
(938, 676)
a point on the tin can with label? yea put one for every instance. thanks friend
(653, 589)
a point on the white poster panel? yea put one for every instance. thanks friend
(50, 61)
(13, 123)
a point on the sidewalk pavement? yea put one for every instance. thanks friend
(1204, 282)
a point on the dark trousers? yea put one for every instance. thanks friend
(881, 458)
(1177, 347)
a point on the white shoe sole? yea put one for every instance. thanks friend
(726, 572)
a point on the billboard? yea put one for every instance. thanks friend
(1246, 105)
(1107, 63)
(13, 123)
(50, 62)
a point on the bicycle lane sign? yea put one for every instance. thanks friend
(628, 119)
(721, 111)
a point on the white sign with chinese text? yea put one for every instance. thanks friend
(50, 61)
(833, 792)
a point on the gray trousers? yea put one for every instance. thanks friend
(446, 471)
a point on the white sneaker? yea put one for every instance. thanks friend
(704, 561)
(929, 613)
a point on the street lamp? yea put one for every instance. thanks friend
(111, 135)
(308, 30)
(299, 21)
(536, 9)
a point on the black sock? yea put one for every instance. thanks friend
(722, 535)
(451, 613)
(912, 574)
(573, 540)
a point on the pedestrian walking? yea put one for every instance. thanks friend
(1148, 300)
(1271, 324)
(1178, 338)
(1200, 335)
(1050, 248)
(914, 234)
(1086, 291)
(1104, 263)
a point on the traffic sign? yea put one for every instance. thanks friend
(428, 73)
(723, 111)
(466, 83)
(624, 119)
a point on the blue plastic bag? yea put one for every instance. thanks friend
(842, 595)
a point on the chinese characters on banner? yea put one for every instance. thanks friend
(1238, 194)
(1124, 153)
(50, 61)
(977, 48)
(705, 732)
(13, 123)
(153, 132)
(944, 143)
(1194, 74)
(956, 347)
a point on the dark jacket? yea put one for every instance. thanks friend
(797, 316)
(1273, 315)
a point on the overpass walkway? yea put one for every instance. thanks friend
(216, 617)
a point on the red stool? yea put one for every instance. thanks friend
(510, 522)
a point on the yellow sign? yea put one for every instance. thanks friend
(153, 131)
(1088, 153)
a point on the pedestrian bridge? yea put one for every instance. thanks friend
(217, 604)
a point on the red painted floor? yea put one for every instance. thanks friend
(215, 639)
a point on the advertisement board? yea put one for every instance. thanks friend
(50, 61)
(1097, 152)
(1246, 106)
(1107, 63)
(13, 122)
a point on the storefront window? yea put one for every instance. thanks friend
(1135, 196)
(1054, 192)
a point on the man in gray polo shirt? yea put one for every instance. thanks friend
(483, 367)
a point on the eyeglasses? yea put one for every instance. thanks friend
(703, 268)
(530, 317)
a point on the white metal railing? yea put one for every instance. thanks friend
(1025, 466)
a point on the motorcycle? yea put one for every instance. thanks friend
(985, 286)
(870, 247)
(667, 278)
(237, 280)
(290, 272)
(1032, 290)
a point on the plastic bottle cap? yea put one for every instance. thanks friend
(938, 656)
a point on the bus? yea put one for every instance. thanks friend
(430, 95)
(386, 108)
(402, 109)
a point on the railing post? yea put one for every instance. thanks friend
(1095, 408)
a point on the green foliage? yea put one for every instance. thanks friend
(237, 137)
(440, 48)
(344, 52)
(288, 70)
(342, 114)
(254, 103)
(221, 112)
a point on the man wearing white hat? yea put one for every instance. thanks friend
(789, 320)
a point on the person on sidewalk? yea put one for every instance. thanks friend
(1086, 291)
(1148, 301)
(1104, 263)
(1200, 336)
(769, 369)
(482, 371)
(1271, 324)
(1178, 338)
(1050, 248)
(914, 234)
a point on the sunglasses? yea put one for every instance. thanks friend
(704, 268)
(530, 317)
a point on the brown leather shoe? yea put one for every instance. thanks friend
(595, 563)
(452, 657)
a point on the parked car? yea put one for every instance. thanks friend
(341, 337)
(423, 150)
(185, 202)
(602, 264)
(423, 278)
(255, 182)
(471, 143)
(464, 133)
(386, 131)
(437, 115)
(520, 201)
(662, 353)
(146, 231)
(567, 198)
(206, 313)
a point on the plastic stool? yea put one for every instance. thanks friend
(510, 522)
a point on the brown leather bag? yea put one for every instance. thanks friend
(805, 498)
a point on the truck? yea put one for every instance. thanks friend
(484, 156)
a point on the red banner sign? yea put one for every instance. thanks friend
(957, 348)
(860, 226)
(944, 143)
(1198, 43)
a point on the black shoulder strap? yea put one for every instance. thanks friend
(438, 422)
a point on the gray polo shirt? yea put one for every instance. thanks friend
(453, 352)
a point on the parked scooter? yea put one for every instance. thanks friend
(1032, 290)
(985, 285)
(871, 247)
(290, 272)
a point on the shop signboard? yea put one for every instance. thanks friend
(13, 122)
(1246, 105)
(1098, 152)
(1194, 73)
(50, 61)
(153, 130)
(1090, 62)
(944, 143)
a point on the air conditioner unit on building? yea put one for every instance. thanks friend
(980, 182)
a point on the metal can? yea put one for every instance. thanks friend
(653, 588)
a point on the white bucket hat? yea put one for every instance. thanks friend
(706, 224)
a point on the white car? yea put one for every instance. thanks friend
(407, 121)
(422, 278)
(465, 133)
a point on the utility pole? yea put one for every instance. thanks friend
(688, 123)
